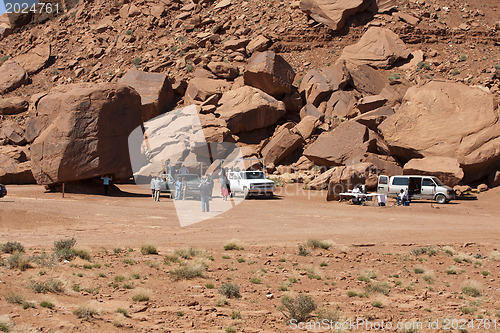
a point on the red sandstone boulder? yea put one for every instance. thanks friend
(246, 109)
(35, 59)
(270, 73)
(12, 76)
(84, 132)
(15, 166)
(447, 119)
(280, 146)
(317, 85)
(199, 89)
(445, 168)
(378, 47)
(13, 105)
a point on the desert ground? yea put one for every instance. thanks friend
(134, 268)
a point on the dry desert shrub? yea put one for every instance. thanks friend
(187, 253)
(378, 288)
(19, 260)
(187, 272)
(297, 308)
(494, 256)
(332, 315)
(86, 312)
(320, 244)
(234, 244)
(148, 249)
(472, 288)
(14, 298)
(141, 295)
(12, 247)
(367, 275)
(448, 249)
(230, 290)
(462, 257)
(49, 286)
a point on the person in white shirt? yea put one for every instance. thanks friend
(357, 199)
(157, 189)
(153, 187)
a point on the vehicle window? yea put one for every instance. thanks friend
(427, 182)
(437, 181)
(191, 177)
(254, 175)
(402, 181)
(383, 180)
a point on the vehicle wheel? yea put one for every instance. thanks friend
(245, 192)
(440, 199)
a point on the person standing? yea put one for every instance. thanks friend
(105, 182)
(153, 187)
(205, 195)
(183, 188)
(157, 189)
(224, 183)
(178, 188)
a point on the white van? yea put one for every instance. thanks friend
(417, 187)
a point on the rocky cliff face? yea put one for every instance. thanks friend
(326, 83)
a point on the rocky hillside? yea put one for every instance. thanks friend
(358, 87)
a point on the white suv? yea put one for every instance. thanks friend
(250, 183)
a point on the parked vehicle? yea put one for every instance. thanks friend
(250, 183)
(193, 182)
(417, 187)
(3, 191)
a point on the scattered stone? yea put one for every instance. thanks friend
(370, 103)
(199, 89)
(223, 70)
(258, 44)
(13, 105)
(12, 76)
(332, 13)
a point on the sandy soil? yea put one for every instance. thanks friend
(420, 256)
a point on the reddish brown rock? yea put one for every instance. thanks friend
(332, 13)
(199, 89)
(84, 132)
(35, 59)
(311, 110)
(13, 105)
(345, 178)
(293, 101)
(445, 168)
(341, 146)
(462, 120)
(12, 76)
(317, 85)
(246, 109)
(155, 90)
(258, 44)
(372, 119)
(270, 73)
(384, 165)
(15, 166)
(223, 70)
(280, 146)
(378, 47)
(236, 44)
(12, 132)
(369, 103)
(307, 126)
(367, 79)
(340, 104)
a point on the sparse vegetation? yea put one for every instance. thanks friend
(148, 249)
(471, 288)
(137, 61)
(230, 290)
(123, 311)
(430, 251)
(377, 304)
(298, 308)
(255, 280)
(85, 312)
(12, 247)
(367, 276)
(330, 314)
(303, 251)
(394, 77)
(49, 286)
(452, 270)
(14, 298)
(19, 261)
(320, 244)
(141, 296)
(187, 272)
(234, 244)
(47, 304)
(462, 58)
(423, 65)
(379, 288)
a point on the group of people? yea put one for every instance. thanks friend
(403, 198)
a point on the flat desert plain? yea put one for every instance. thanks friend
(331, 266)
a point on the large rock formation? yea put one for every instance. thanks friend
(246, 109)
(12, 76)
(378, 47)
(448, 120)
(155, 90)
(445, 168)
(270, 73)
(199, 89)
(344, 145)
(84, 131)
(344, 178)
(15, 167)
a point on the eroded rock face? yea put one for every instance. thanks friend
(378, 47)
(155, 90)
(345, 178)
(445, 168)
(12, 76)
(447, 119)
(344, 145)
(15, 166)
(84, 131)
(199, 89)
(270, 73)
(246, 109)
